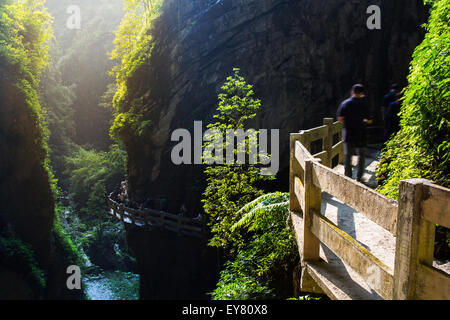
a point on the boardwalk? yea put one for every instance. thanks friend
(155, 219)
(363, 245)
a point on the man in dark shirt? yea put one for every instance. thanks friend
(353, 112)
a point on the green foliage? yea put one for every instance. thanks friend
(233, 286)
(125, 285)
(24, 37)
(64, 244)
(237, 104)
(231, 186)
(249, 226)
(60, 118)
(133, 48)
(91, 174)
(19, 257)
(108, 247)
(422, 147)
(78, 76)
(25, 30)
(98, 241)
(267, 256)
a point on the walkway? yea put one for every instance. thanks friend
(150, 218)
(352, 255)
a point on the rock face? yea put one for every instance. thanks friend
(301, 55)
(172, 267)
(27, 199)
(27, 204)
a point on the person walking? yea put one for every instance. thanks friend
(390, 97)
(353, 113)
(392, 118)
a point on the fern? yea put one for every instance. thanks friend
(268, 253)
(253, 212)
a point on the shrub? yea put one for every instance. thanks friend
(264, 264)
(19, 257)
(421, 149)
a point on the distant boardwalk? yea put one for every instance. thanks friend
(354, 242)
(150, 218)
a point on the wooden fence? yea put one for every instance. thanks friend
(150, 218)
(412, 220)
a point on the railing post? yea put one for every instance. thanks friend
(295, 170)
(328, 141)
(313, 199)
(122, 213)
(415, 240)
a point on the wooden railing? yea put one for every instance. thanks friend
(329, 139)
(412, 220)
(150, 218)
(422, 205)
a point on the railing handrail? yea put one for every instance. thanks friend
(422, 205)
(310, 175)
(156, 218)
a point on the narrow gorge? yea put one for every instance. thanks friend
(91, 92)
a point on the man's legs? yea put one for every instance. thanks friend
(348, 151)
(361, 163)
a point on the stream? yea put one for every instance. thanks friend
(112, 285)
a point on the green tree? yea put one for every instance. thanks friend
(231, 186)
(91, 175)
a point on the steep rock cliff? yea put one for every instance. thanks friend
(301, 55)
(33, 254)
(27, 205)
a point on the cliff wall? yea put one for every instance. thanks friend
(301, 55)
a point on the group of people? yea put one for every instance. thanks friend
(354, 114)
(122, 192)
(121, 195)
